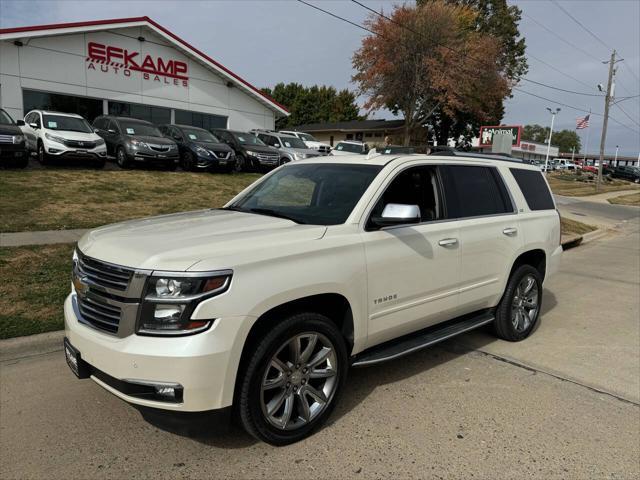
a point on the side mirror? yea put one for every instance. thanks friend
(20, 123)
(398, 214)
(33, 125)
(111, 130)
(96, 130)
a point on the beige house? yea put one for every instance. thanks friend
(369, 131)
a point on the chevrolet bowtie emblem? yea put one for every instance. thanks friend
(80, 286)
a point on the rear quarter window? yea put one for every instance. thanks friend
(534, 188)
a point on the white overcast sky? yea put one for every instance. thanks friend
(270, 41)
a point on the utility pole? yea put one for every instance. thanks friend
(607, 103)
(546, 160)
(615, 161)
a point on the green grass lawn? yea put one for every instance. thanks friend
(571, 185)
(632, 199)
(51, 199)
(34, 282)
(572, 227)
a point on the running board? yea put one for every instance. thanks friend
(421, 339)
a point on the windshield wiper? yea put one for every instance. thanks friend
(263, 211)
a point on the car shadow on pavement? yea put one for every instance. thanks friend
(221, 431)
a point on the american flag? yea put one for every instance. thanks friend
(582, 122)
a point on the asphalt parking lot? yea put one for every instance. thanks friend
(563, 404)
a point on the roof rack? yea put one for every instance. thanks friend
(451, 152)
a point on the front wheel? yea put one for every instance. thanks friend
(519, 309)
(240, 164)
(293, 380)
(121, 158)
(43, 156)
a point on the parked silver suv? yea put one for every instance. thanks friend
(291, 148)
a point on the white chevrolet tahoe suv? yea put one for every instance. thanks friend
(321, 265)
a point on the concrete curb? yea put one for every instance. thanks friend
(595, 235)
(21, 347)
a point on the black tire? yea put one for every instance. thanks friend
(505, 323)
(187, 163)
(43, 156)
(121, 158)
(240, 165)
(250, 400)
(99, 164)
(283, 160)
(22, 162)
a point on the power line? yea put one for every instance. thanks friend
(530, 55)
(627, 115)
(338, 17)
(555, 2)
(573, 45)
(562, 89)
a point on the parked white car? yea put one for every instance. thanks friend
(310, 141)
(349, 147)
(320, 265)
(56, 135)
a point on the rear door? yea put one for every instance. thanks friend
(489, 234)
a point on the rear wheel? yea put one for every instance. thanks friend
(292, 382)
(519, 309)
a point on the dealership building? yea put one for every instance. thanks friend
(130, 67)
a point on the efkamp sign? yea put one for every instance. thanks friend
(487, 133)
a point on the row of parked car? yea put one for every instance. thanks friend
(55, 136)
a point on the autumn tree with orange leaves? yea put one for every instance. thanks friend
(430, 58)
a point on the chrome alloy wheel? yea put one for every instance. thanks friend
(525, 304)
(300, 381)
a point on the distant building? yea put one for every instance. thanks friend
(370, 131)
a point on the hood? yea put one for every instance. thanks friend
(260, 148)
(223, 147)
(179, 241)
(299, 151)
(153, 140)
(312, 143)
(79, 136)
(8, 129)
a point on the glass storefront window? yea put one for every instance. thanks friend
(155, 115)
(201, 120)
(89, 108)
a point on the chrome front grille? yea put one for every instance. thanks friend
(99, 314)
(6, 138)
(268, 157)
(159, 148)
(222, 155)
(104, 274)
(80, 144)
(324, 149)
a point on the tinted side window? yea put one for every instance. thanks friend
(473, 191)
(534, 189)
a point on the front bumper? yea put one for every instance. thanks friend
(204, 365)
(9, 151)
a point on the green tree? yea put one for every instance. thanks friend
(317, 103)
(499, 20)
(565, 140)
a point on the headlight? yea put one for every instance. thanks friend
(99, 142)
(202, 151)
(18, 139)
(53, 138)
(138, 144)
(252, 154)
(170, 301)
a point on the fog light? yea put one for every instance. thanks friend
(168, 313)
(166, 391)
(53, 150)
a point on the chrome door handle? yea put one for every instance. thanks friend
(448, 242)
(510, 231)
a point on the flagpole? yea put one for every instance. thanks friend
(584, 158)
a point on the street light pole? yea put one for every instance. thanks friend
(553, 117)
(615, 160)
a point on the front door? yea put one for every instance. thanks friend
(412, 270)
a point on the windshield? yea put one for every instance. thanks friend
(349, 147)
(292, 142)
(306, 137)
(198, 135)
(138, 128)
(67, 124)
(248, 139)
(313, 193)
(5, 119)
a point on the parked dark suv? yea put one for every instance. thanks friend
(200, 149)
(131, 140)
(628, 172)
(13, 148)
(251, 153)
